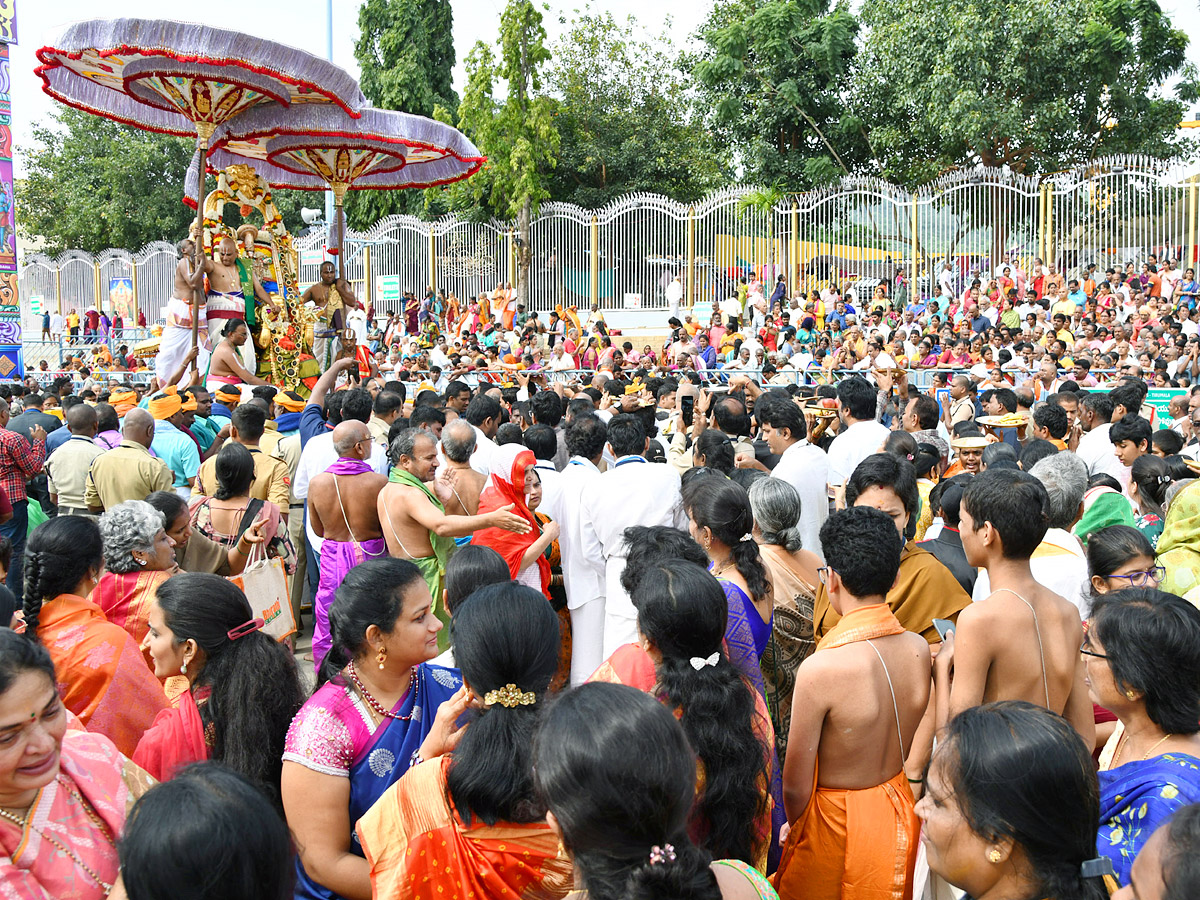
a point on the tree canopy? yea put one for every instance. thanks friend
(1035, 85)
(627, 119)
(405, 51)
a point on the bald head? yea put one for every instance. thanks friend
(82, 419)
(138, 427)
(352, 440)
(458, 441)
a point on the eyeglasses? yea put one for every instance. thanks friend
(1086, 649)
(823, 574)
(1153, 575)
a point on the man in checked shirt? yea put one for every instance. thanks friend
(20, 460)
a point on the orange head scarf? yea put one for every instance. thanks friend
(166, 404)
(123, 401)
(290, 401)
(506, 485)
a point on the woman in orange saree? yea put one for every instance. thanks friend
(681, 618)
(138, 557)
(471, 819)
(64, 793)
(102, 674)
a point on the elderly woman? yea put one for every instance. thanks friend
(64, 794)
(1010, 806)
(139, 555)
(1142, 655)
(792, 571)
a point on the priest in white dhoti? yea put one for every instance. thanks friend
(632, 492)
(176, 339)
(233, 290)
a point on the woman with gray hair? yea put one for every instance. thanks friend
(139, 556)
(793, 574)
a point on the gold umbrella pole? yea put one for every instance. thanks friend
(204, 132)
(339, 192)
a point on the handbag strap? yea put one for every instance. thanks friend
(253, 508)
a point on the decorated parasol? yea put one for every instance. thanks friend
(321, 148)
(186, 79)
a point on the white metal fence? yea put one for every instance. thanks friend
(1113, 211)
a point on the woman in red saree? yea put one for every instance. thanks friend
(512, 480)
(138, 557)
(681, 618)
(471, 819)
(243, 687)
(103, 677)
(64, 793)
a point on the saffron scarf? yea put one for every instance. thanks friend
(126, 599)
(506, 486)
(176, 739)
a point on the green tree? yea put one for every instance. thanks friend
(405, 51)
(775, 75)
(626, 118)
(518, 134)
(1035, 85)
(93, 184)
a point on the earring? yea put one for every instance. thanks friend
(1131, 695)
(381, 656)
(140, 562)
(995, 856)
(183, 668)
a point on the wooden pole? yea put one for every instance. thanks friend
(204, 131)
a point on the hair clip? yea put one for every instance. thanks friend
(748, 536)
(1097, 868)
(244, 629)
(699, 662)
(509, 696)
(663, 854)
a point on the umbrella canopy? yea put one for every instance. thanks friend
(320, 148)
(183, 78)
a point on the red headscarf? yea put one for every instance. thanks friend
(505, 486)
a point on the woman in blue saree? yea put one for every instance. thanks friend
(380, 707)
(1142, 650)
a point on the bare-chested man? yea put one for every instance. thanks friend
(458, 443)
(342, 510)
(177, 333)
(412, 510)
(328, 307)
(229, 281)
(1022, 642)
(855, 710)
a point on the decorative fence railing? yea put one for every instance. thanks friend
(863, 230)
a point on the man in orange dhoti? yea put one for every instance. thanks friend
(856, 707)
(420, 848)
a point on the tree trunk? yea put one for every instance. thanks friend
(524, 254)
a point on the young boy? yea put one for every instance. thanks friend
(1130, 438)
(1022, 641)
(856, 707)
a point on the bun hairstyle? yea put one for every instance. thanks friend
(777, 507)
(231, 326)
(613, 815)
(254, 688)
(503, 634)
(59, 555)
(682, 611)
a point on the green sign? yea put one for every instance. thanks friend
(1160, 399)
(387, 289)
(35, 304)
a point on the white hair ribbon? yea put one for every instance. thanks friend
(699, 663)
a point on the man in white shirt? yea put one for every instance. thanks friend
(861, 435)
(946, 281)
(319, 453)
(583, 576)
(802, 465)
(1095, 448)
(483, 412)
(632, 492)
(674, 295)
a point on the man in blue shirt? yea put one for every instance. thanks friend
(1075, 293)
(171, 443)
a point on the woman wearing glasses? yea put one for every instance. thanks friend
(1119, 557)
(1142, 661)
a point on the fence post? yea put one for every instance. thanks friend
(1193, 213)
(793, 273)
(594, 261)
(512, 259)
(96, 269)
(1048, 259)
(136, 305)
(58, 286)
(691, 257)
(916, 249)
(369, 297)
(1042, 222)
(432, 260)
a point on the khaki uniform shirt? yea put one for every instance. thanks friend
(67, 470)
(126, 472)
(271, 479)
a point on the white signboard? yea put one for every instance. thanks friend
(633, 301)
(312, 257)
(387, 289)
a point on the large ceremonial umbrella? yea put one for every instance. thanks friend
(321, 148)
(185, 79)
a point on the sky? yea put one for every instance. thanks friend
(301, 23)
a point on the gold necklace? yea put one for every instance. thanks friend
(22, 822)
(1145, 756)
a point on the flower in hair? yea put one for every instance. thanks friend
(660, 855)
(748, 536)
(509, 696)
